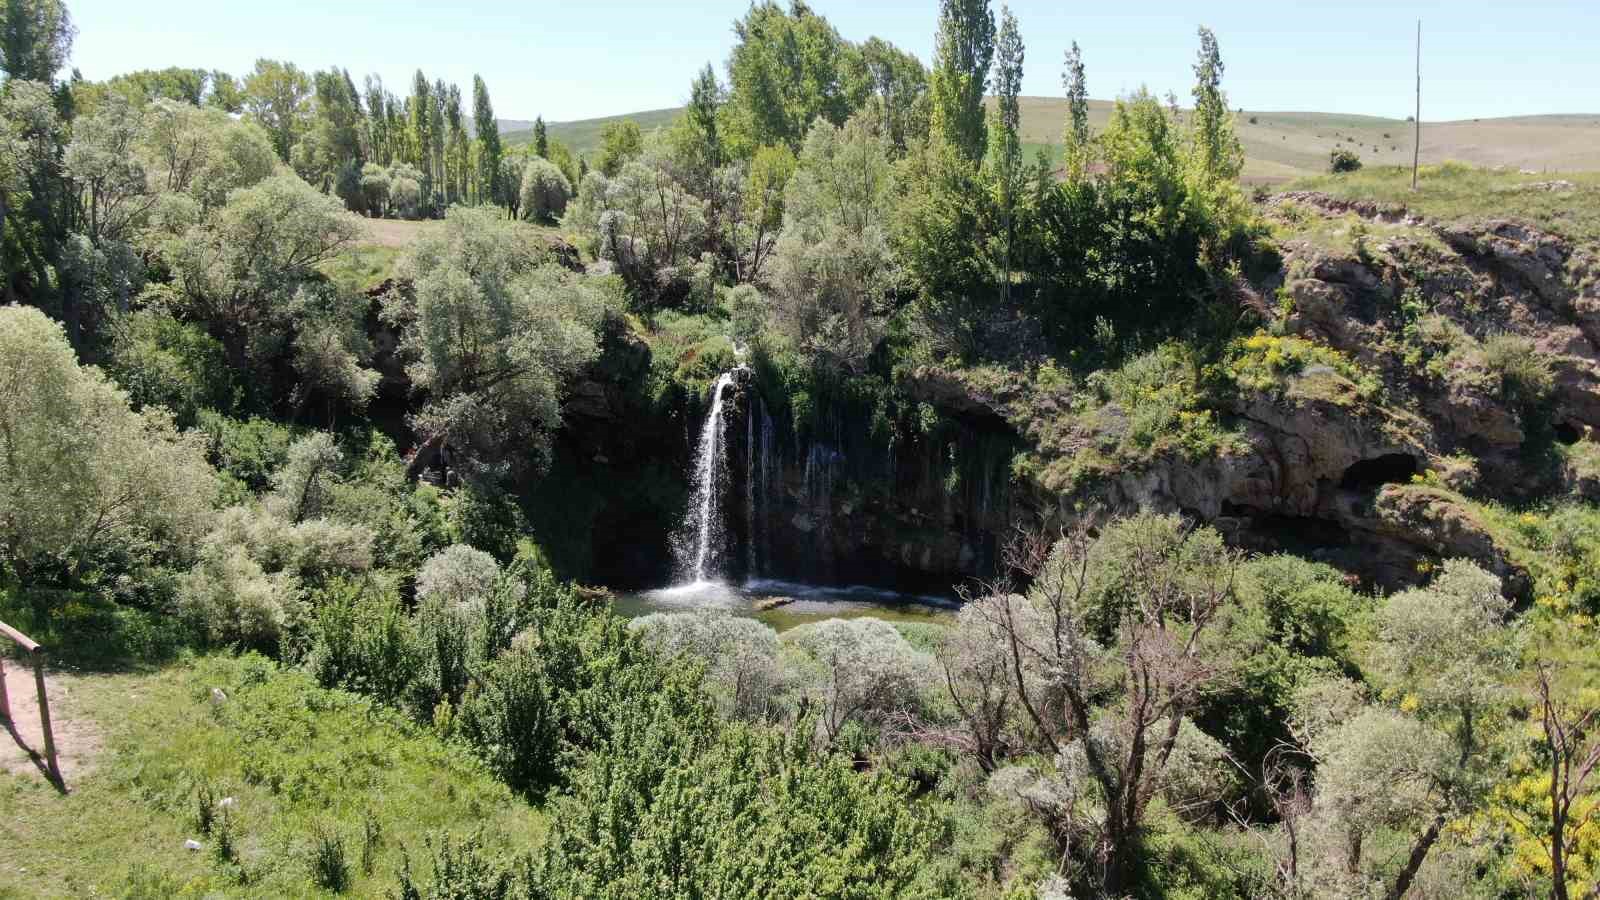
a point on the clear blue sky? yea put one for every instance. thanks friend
(570, 60)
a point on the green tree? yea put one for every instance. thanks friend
(705, 103)
(1005, 144)
(491, 336)
(541, 138)
(787, 70)
(80, 471)
(963, 50)
(239, 270)
(36, 39)
(1075, 136)
(487, 129)
(277, 95)
(1218, 153)
(224, 92)
(620, 142)
(833, 267)
(545, 191)
(899, 93)
(757, 230)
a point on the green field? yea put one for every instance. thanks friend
(1282, 145)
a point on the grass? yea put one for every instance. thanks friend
(1454, 191)
(308, 768)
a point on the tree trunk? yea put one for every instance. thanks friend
(1419, 852)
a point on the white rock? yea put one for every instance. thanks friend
(191, 844)
(218, 697)
(227, 802)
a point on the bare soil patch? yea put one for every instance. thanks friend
(78, 738)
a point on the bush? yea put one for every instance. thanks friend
(1343, 161)
(856, 670)
(329, 868)
(544, 191)
(363, 640)
(459, 576)
(160, 361)
(740, 655)
(1524, 373)
(509, 720)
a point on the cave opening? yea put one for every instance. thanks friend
(1567, 433)
(1390, 468)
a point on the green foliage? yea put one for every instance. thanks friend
(544, 191)
(1293, 367)
(80, 471)
(161, 361)
(1341, 161)
(963, 50)
(833, 267)
(491, 334)
(510, 720)
(330, 870)
(786, 71)
(620, 143)
(1524, 374)
(364, 641)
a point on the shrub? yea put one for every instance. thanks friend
(230, 600)
(1343, 161)
(160, 361)
(329, 868)
(740, 655)
(459, 576)
(363, 640)
(856, 670)
(509, 720)
(544, 191)
(1524, 373)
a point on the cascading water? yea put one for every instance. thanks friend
(701, 538)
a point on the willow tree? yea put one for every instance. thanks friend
(491, 337)
(81, 472)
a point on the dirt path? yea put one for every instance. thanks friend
(78, 738)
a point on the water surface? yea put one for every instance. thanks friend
(811, 603)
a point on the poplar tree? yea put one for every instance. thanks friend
(1005, 143)
(488, 131)
(1075, 137)
(963, 51)
(1218, 154)
(705, 98)
(541, 138)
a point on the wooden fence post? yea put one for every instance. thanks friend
(37, 653)
(5, 699)
(44, 718)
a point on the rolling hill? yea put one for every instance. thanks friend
(1278, 146)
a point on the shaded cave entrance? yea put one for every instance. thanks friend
(1390, 468)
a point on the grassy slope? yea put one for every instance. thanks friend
(1454, 193)
(583, 137)
(294, 756)
(1282, 145)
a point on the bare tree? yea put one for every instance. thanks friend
(1119, 617)
(1574, 748)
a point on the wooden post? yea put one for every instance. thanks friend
(37, 652)
(5, 699)
(1416, 139)
(44, 718)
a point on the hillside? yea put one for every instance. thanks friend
(1278, 145)
(583, 136)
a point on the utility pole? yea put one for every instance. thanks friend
(1416, 140)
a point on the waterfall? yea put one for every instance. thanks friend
(701, 538)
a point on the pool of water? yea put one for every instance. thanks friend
(807, 602)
